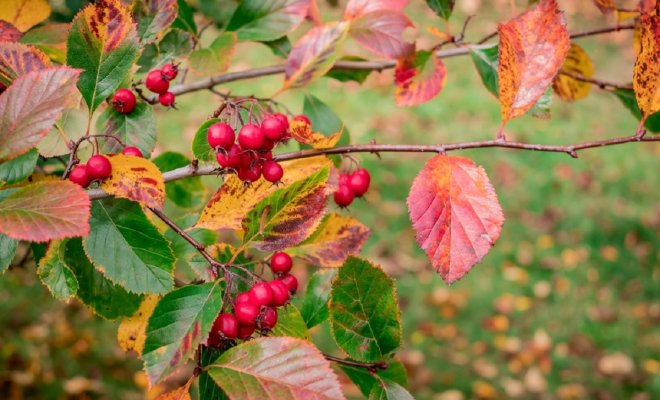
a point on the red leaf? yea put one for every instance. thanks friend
(533, 47)
(381, 31)
(455, 213)
(357, 8)
(17, 59)
(420, 79)
(43, 211)
(8, 32)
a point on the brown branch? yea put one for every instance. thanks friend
(597, 82)
(372, 367)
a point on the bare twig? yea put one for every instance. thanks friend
(598, 82)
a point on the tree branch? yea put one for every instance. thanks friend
(372, 367)
(597, 82)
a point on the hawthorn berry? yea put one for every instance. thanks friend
(245, 330)
(280, 293)
(123, 101)
(225, 326)
(343, 179)
(344, 196)
(221, 135)
(246, 313)
(251, 173)
(266, 155)
(262, 294)
(156, 82)
(281, 263)
(170, 71)
(248, 158)
(132, 151)
(245, 297)
(267, 319)
(290, 281)
(302, 117)
(98, 167)
(166, 99)
(359, 182)
(272, 171)
(79, 175)
(273, 128)
(251, 137)
(231, 158)
(268, 144)
(283, 119)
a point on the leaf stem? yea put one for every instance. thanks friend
(372, 367)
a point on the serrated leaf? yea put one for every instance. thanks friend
(137, 179)
(216, 58)
(128, 249)
(18, 59)
(131, 332)
(364, 313)
(533, 46)
(106, 299)
(265, 20)
(277, 368)
(46, 210)
(103, 43)
(8, 32)
(180, 322)
(627, 97)
(19, 168)
(158, 17)
(646, 74)
(577, 62)
(31, 106)
(287, 216)
(24, 14)
(420, 79)
(290, 323)
(387, 390)
(200, 145)
(314, 309)
(51, 39)
(234, 200)
(443, 8)
(314, 54)
(185, 193)
(455, 213)
(137, 128)
(485, 60)
(365, 380)
(381, 32)
(55, 273)
(7, 251)
(336, 238)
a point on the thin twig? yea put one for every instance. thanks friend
(372, 367)
(598, 82)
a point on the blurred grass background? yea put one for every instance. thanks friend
(566, 305)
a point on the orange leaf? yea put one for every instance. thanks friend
(646, 75)
(455, 213)
(420, 79)
(533, 47)
(24, 14)
(181, 393)
(136, 179)
(17, 59)
(577, 62)
(302, 132)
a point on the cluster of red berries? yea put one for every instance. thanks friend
(98, 167)
(256, 308)
(351, 186)
(157, 80)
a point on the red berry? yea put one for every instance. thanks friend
(251, 137)
(221, 135)
(170, 71)
(248, 158)
(79, 175)
(280, 293)
(231, 158)
(267, 318)
(98, 167)
(359, 182)
(225, 326)
(266, 155)
(166, 99)
(272, 171)
(302, 117)
(262, 294)
(283, 119)
(268, 144)
(273, 128)
(156, 82)
(290, 281)
(246, 313)
(132, 151)
(281, 263)
(250, 174)
(245, 297)
(245, 330)
(344, 196)
(123, 101)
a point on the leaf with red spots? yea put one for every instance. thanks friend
(155, 17)
(17, 59)
(646, 77)
(137, 179)
(533, 47)
(180, 322)
(455, 213)
(30, 107)
(8, 32)
(103, 42)
(381, 31)
(43, 211)
(276, 368)
(420, 79)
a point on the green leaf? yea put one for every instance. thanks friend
(277, 368)
(106, 299)
(137, 128)
(266, 20)
(387, 390)
(181, 248)
(208, 390)
(55, 273)
(19, 168)
(314, 308)
(290, 323)
(348, 75)
(541, 108)
(175, 45)
(50, 38)
(443, 8)
(220, 11)
(103, 43)
(364, 314)
(287, 216)
(158, 17)
(280, 47)
(185, 193)
(127, 248)
(365, 380)
(200, 145)
(323, 119)
(629, 101)
(180, 322)
(485, 60)
(216, 58)
(185, 19)
(7, 251)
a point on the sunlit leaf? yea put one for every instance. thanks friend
(24, 14)
(135, 178)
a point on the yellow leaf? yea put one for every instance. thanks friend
(131, 332)
(646, 75)
(438, 33)
(137, 179)
(625, 15)
(320, 141)
(234, 200)
(302, 132)
(24, 14)
(181, 393)
(577, 62)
